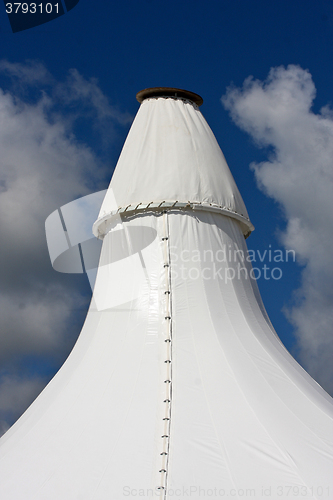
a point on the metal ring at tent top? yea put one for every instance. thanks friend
(168, 92)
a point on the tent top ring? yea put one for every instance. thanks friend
(168, 92)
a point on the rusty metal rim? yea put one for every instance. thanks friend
(168, 92)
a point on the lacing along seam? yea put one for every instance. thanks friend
(167, 401)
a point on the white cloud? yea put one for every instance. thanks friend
(78, 89)
(277, 113)
(31, 72)
(42, 167)
(16, 394)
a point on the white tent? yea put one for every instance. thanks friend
(178, 386)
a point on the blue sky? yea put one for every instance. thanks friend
(67, 102)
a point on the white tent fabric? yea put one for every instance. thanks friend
(172, 155)
(178, 386)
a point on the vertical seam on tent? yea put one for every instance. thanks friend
(168, 361)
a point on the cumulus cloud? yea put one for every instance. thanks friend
(77, 98)
(77, 90)
(42, 167)
(298, 175)
(16, 394)
(30, 72)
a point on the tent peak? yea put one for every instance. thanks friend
(168, 92)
